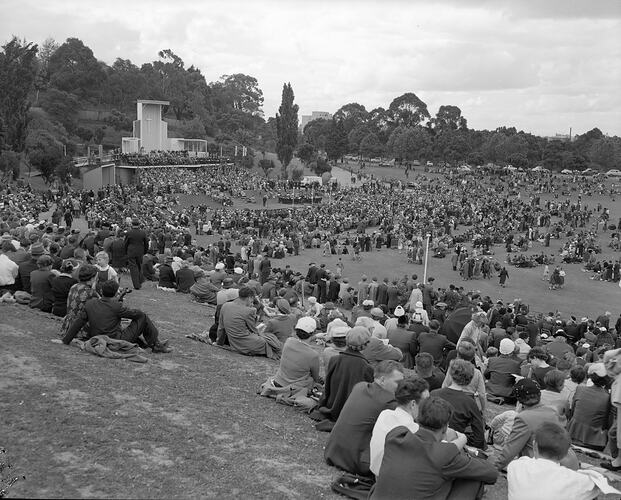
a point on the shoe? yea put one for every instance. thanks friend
(609, 466)
(163, 342)
(164, 349)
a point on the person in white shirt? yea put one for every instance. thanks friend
(542, 477)
(409, 394)
(8, 268)
(379, 330)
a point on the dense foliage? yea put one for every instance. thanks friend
(59, 97)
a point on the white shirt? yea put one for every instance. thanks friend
(380, 330)
(387, 421)
(542, 479)
(8, 271)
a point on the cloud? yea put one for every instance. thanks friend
(538, 65)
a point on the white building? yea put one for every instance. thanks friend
(315, 115)
(150, 133)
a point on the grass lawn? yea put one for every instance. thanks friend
(189, 424)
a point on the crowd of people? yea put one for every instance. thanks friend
(167, 158)
(400, 372)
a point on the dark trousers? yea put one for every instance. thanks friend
(466, 489)
(141, 326)
(135, 271)
(612, 440)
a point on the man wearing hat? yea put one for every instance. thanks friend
(282, 324)
(136, 246)
(362, 309)
(237, 326)
(344, 371)
(228, 292)
(25, 268)
(299, 363)
(218, 275)
(532, 415)
(379, 330)
(559, 346)
(500, 371)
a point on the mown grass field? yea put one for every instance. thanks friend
(189, 424)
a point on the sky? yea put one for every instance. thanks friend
(541, 66)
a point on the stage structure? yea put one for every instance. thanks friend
(151, 133)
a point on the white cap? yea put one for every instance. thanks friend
(219, 266)
(307, 324)
(238, 270)
(506, 346)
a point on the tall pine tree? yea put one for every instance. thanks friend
(286, 128)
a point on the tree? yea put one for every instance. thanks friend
(42, 80)
(336, 142)
(316, 133)
(266, 165)
(9, 164)
(44, 153)
(448, 118)
(74, 69)
(306, 152)
(18, 69)
(409, 143)
(352, 115)
(371, 146)
(286, 127)
(241, 92)
(63, 106)
(99, 135)
(408, 110)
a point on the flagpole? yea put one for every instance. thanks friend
(426, 259)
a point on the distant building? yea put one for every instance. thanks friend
(560, 138)
(150, 133)
(315, 115)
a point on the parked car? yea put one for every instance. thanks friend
(614, 173)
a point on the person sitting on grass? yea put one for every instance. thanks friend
(543, 476)
(531, 414)
(104, 316)
(424, 465)
(344, 371)
(409, 395)
(298, 371)
(41, 280)
(61, 285)
(466, 417)
(348, 446)
(426, 370)
(237, 327)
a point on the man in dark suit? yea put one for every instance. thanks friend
(25, 268)
(104, 318)
(422, 466)
(349, 445)
(136, 246)
(382, 293)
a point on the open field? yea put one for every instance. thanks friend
(189, 424)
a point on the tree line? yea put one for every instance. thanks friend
(44, 88)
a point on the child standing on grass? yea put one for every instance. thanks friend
(104, 271)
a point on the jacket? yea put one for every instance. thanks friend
(344, 371)
(104, 317)
(418, 466)
(520, 441)
(136, 243)
(349, 445)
